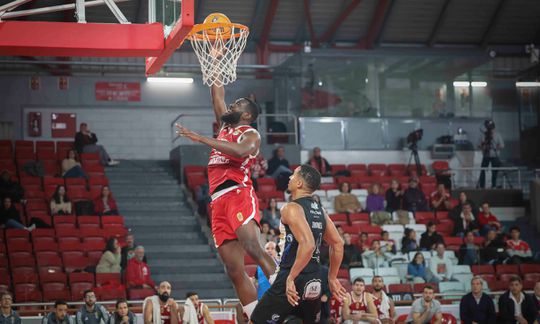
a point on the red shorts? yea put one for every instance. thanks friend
(232, 210)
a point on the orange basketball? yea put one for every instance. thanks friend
(217, 18)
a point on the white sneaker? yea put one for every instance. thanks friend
(113, 163)
(31, 228)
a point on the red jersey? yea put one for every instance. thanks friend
(223, 167)
(335, 309)
(518, 246)
(378, 304)
(200, 316)
(357, 306)
(484, 219)
(165, 314)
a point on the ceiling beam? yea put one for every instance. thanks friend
(492, 23)
(300, 30)
(257, 12)
(198, 10)
(376, 25)
(268, 20)
(438, 25)
(332, 29)
(307, 13)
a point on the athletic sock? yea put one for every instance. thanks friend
(248, 309)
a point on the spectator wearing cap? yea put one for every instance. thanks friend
(414, 199)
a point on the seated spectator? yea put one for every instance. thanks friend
(352, 257)
(440, 199)
(487, 221)
(261, 282)
(425, 309)
(387, 244)
(468, 251)
(161, 305)
(477, 307)
(537, 299)
(386, 310)
(59, 315)
(10, 188)
(346, 202)
(408, 242)
(375, 201)
(258, 169)
(376, 257)
(9, 216)
(518, 250)
(440, 265)
(105, 203)
(466, 222)
(416, 269)
(60, 203)
(196, 311)
(516, 306)
(110, 260)
(456, 211)
(8, 314)
(271, 215)
(414, 199)
(138, 272)
(90, 312)
(278, 164)
(430, 238)
(494, 249)
(122, 314)
(358, 306)
(320, 163)
(128, 251)
(363, 242)
(394, 197)
(85, 142)
(267, 234)
(71, 166)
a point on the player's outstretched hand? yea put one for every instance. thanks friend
(337, 289)
(184, 132)
(292, 294)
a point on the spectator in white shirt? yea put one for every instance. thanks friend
(440, 265)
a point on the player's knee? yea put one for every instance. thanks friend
(234, 271)
(253, 249)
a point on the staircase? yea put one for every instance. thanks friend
(155, 209)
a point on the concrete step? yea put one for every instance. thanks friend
(169, 236)
(171, 254)
(127, 209)
(146, 181)
(158, 239)
(135, 187)
(215, 279)
(191, 248)
(165, 270)
(147, 195)
(156, 213)
(157, 202)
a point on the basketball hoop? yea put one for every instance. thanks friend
(218, 46)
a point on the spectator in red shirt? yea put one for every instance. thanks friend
(105, 203)
(138, 272)
(487, 220)
(518, 250)
(440, 199)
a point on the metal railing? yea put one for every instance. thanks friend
(507, 177)
(287, 119)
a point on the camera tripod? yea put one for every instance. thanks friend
(414, 154)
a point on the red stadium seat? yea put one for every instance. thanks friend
(72, 254)
(439, 215)
(78, 277)
(94, 243)
(75, 182)
(48, 259)
(328, 186)
(64, 219)
(482, 269)
(272, 194)
(21, 276)
(19, 246)
(396, 169)
(54, 295)
(70, 245)
(498, 285)
(77, 193)
(418, 288)
(47, 277)
(377, 169)
(251, 269)
(45, 244)
(41, 215)
(51, 167)
(338, 167)
(357, 217)
(194, 169)
(53, 181)
(67, 232)
(27, 294)
(53, 286)
(98, 182)
(111, 293)
(112, 221)
(344, 274)
(529, 268)
(248, 260)
(87, 157)
(402, 319)
(400, 288)
(339, 217)
(440, 167)
(104, 279)
(194, 180)
(45, 145)
(140, 294)
(17, 233)
(73, 264)
(453, 243)
(424, 217)
(94, 256)
(447, 318)
(511, 269)
(445, 228)
(78, 288)
(90, 222)
(94, 170)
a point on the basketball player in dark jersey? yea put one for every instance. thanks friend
(297, 288)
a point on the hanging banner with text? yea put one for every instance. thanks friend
(118, 91)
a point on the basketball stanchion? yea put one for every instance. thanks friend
(218, 43)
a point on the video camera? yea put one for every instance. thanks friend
(489, 124)
(415, 136)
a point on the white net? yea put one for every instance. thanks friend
(218, 50)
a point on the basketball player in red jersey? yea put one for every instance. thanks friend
(235, 207)
(203, 313)
(384, 304)
(161, 308)
(335, 310)
(358, 307)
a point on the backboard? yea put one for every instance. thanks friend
(169, 24)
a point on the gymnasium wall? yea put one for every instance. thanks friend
(129, 130)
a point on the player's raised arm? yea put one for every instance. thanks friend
(335, 242)
(248, 145)
(218, 101)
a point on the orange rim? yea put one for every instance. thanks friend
(198, 35)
